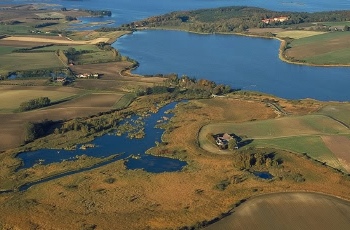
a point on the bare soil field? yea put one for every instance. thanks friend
(340, 146)
(96, 100)
(303, 211)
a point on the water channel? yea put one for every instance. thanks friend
(131, 150)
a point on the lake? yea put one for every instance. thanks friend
(242, 62)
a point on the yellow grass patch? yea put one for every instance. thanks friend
(50, 15)
(296, 34)
(54, 40)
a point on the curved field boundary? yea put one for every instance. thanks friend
(281, 127)
(297, 210)
(340, 146)
(300, 134)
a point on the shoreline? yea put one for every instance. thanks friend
(280, 50)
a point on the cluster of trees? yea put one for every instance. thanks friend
(236, 19)
(31, 49)
(70, 18)
(89, 126)
(45, 24)
(246, 159)
(72, 54)
(41, 73)
(34, 104)
(99, 12)
(184, 87)
(10, 22)
(33, 131)
(104, 46)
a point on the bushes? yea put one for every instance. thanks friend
(34, 104)
(33, 131)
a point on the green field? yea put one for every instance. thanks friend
(26, 61)
(11, 99)
(300, 134)
(15, 29)
(340, 111)
(319, 38)
(336, 23)
(93, 53)
(282, 127)
(124, 101)
(6, 50)
(324, 49)
(312, 145)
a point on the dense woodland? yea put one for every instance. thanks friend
(234, 19)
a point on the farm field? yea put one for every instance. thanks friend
(297, 34)
(13, 125)
(338, 111)
(13, 96)
(300, 134)
(80, 103)
(26, 61)
(304, 211)
(324, 49)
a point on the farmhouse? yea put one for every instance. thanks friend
(222, 140)
(87, 75)
(61, 79)
(276, 19)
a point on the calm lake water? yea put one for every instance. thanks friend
(241, 62)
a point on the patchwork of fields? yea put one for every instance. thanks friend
(314, 134)
(68, 102)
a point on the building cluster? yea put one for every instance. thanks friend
(87, 75)
(276, 19)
